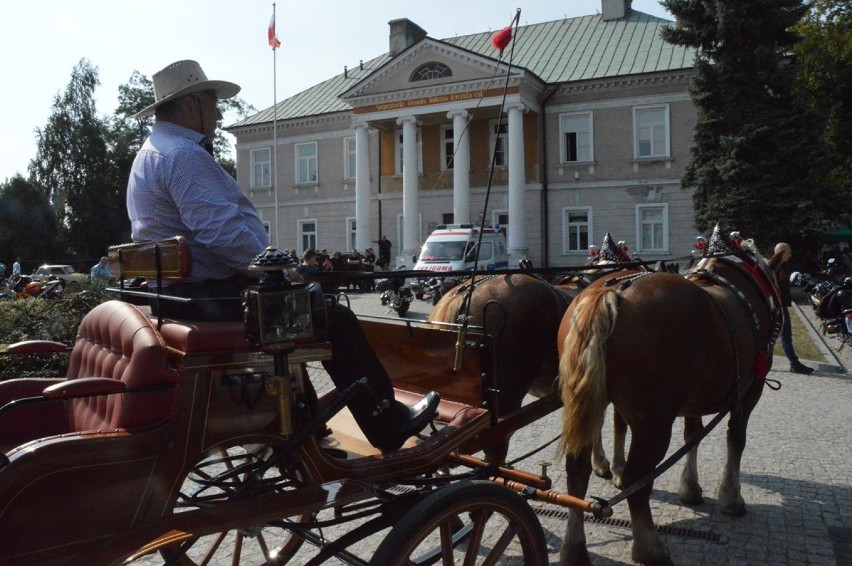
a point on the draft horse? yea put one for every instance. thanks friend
(659, 346)
(523, 312)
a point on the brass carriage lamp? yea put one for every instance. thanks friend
(277, 311)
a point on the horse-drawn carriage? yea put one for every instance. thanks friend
(185, 440)
(179, 438)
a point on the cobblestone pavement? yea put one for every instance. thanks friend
(796, 477)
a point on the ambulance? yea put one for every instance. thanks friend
(452, 247)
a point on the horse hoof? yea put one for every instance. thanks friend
(692, 500)
(604, 473)
(574, 556)
(734, 510)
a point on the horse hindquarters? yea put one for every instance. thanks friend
(582, 378)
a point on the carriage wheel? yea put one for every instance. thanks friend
(215, 479)
(468, 522)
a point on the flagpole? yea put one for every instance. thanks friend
(275, 130)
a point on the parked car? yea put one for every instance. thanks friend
(73, 281)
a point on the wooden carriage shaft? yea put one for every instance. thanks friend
(534, 487)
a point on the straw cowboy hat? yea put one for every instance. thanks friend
(182, 78)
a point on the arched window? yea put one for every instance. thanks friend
(431, 70)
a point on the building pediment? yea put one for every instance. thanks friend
(431, 69)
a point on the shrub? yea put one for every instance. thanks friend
(34, 319)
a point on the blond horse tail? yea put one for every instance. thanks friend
(582, 368)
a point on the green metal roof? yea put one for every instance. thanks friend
(573, 49)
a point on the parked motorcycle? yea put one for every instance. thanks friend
(834, 308)
(25, 287)
(395, 292)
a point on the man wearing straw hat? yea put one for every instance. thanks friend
(176, 188)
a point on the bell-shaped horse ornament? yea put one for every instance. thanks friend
(719, 244)
(609, 251)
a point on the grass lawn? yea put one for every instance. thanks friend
(805, 347)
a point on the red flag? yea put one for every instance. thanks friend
(273, 38)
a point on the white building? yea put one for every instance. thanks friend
(596, 129)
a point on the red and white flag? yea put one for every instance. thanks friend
(273, 37)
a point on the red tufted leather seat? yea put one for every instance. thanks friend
(116, 341)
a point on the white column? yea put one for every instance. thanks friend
(363, 220)
(410, 207)
(517, 183)
(461, 167)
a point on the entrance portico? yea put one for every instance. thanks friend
(388, 101)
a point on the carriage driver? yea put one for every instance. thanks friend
(177, 188)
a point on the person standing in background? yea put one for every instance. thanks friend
(782, 255)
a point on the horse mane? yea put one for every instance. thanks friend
(582, 368)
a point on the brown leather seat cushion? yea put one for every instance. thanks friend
(118, 341)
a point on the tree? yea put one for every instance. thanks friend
(27, 223)
(74, 168)
(239, 108)
(824, 86)
(755, 156)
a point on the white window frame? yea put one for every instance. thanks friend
(655, 127)
(493, 135)
(641, 223)
(265, 173)
(447, 147)
(302, 233)
(306, 166)
(587, 129)
(349, 159)
(568, 227)
(398, 153)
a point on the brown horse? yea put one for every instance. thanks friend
(659, 346)
(505, 305)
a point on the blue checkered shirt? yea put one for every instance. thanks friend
(177, 189)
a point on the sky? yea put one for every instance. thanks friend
(41, 42)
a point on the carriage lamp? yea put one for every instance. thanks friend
(277, 311)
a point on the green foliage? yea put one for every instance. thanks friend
(757, 154)
(74, 167)
(824, 86)
(35, 319)
(25, 212)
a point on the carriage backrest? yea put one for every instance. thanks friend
(116, 340)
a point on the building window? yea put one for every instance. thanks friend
(500, 143)
(576, 137)
(576, 229)
(261, 168)
(306, 163)
(398, 150)
(447, 148)
(652, 227)
(431, 70)
(307, 235)
(349, 158)
(651, 131)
